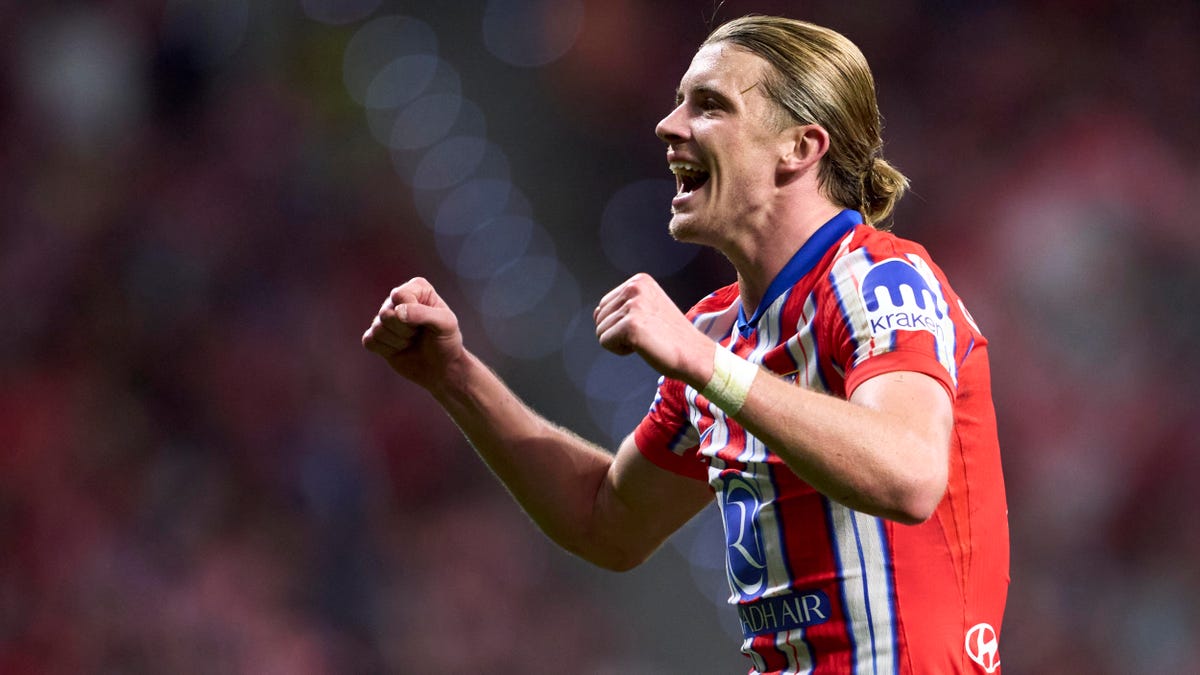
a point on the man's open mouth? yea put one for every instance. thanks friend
(689, 177)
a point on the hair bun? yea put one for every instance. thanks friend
(883, 186)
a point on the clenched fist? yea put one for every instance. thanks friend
(416, 332)
(638, 316)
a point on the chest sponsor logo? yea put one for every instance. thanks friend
(983, 646)
(897, 297)
(783, 613)
(745, 555)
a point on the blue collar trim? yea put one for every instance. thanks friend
(801, 264)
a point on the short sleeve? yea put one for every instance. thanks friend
(891, 314)
(666, 435)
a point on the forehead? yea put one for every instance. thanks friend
(725, 68)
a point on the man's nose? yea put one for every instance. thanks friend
(671, 128)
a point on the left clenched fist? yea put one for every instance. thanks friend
(638, 317)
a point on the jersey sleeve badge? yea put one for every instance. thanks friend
(897, 296)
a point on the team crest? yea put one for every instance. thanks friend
(745, 554)
(983, 646)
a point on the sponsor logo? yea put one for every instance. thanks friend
(983, 646)
(745, 556)
(897, 297)
(783, 613)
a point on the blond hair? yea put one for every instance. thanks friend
(818, 76)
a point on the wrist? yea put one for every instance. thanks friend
(453, 380)
(731, 380)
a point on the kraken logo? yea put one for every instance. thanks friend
(897, 297)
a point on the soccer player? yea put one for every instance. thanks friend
(835, 401)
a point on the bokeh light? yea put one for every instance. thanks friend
(406, 78)
(454, 160)
(492, 245)
(530, 33)
(84, 76)
(534, 332)
(379, 44)
(633, 230)
(475, 202)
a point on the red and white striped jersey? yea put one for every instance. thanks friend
(819, 587)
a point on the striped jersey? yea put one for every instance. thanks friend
(818, 587)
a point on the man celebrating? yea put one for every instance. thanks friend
(836, 400)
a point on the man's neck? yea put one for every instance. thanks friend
(760, 259)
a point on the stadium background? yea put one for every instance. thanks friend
(204, 203)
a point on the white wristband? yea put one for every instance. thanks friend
(731, 380)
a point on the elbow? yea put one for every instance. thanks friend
(906, 499)
(914, 513)
(622, 560)
(920, 489)
(619, 564)
(610, 558)
(920, 499)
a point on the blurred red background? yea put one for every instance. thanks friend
(202, 471)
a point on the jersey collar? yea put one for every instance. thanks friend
(801, 264)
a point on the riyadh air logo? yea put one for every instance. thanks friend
(897, 297)
(745, 557)
(983, 646)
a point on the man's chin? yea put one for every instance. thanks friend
(683, 228)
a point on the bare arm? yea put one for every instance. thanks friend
(884, 452)
(612, 511)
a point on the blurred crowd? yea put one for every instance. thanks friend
(202, 471)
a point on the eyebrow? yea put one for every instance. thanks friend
(706, 90)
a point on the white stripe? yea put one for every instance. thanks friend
(865, 588)
(717, 325)
(778, 580)
(803, 348)
(769, 333)
(948, 345)
(757, 469)
(791, 644)
(756, 659)
(847, 275)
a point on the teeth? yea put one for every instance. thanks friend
(689, 176)
(687, 169)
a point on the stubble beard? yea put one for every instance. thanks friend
(691, 228)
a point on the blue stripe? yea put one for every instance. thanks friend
(954, 350)
(967, 353)
(890, 576)
(862, 564)
(845, 314)
(677, 439)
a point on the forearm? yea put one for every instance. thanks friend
(553, 474)
(869, 459)
(883, 453)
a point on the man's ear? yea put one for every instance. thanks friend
(804, 146)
